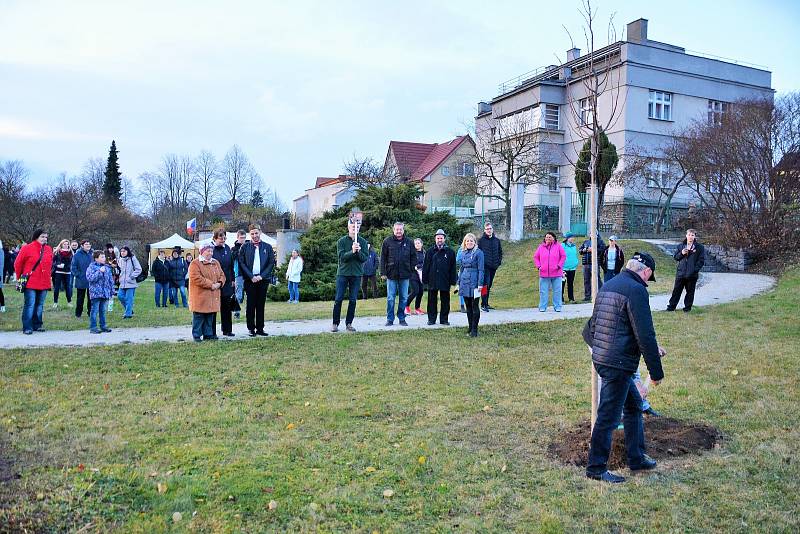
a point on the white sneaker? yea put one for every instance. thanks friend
(2, 309)
(55, 305)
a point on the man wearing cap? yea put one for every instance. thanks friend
(619, 332)
(439, 273)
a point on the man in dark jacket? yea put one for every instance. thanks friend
(586, 260)
(177, 268)
(620, 330)
(370, 280)
(351, 250)
(161, 276)
(256, 265)
(81, 262)
(492, 259)
(397, 265)
(241, 239)
(439, 273)
(691, 258)
(223, 254)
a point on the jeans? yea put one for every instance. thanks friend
(125, 297)
(545, 285)
(294, 291)
(97, 309)
(348, 285)
(240, 289)
(162, 290)
(173, 292)
(394, 287)
(33, 309)
(617, 394)
(682, 283)
(203, 325)
(61, 281)
(587, 282)
(608, 275)
(82, 296)
(488, 277)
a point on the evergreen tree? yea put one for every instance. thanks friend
(112, 185)
(607, 161)
(256, 200)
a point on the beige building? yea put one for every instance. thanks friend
(327, 194)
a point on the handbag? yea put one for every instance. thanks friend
(22, 281)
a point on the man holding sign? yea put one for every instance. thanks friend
(352, 252)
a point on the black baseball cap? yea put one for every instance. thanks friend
(648, 261)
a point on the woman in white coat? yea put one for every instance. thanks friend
(293, 271)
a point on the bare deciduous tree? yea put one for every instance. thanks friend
(206, 182)
(236, 173)
(364, 172)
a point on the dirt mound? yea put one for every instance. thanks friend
(665, 438)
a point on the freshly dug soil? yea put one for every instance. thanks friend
(664, 438)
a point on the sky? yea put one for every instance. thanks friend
(304, 86)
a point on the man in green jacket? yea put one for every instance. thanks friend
(352, 252)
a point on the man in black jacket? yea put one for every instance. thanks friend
(620, 330)
(397, 265)
(586, 260)
(439, 273)
(691, 258)
(238, 286)
(161, 276)
(256, 265)
(177, 268)
(369, 280)
(492, 259)
(223, 254)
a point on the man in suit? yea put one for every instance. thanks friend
(256, 265)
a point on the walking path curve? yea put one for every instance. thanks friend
(717, 288)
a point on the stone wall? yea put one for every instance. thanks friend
(735, 259)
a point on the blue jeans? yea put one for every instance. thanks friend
(98, 308)
(393, 288)
(173, 291)
(33, 309)
(618, 394)
(203, 325)
(162, 290)
(545, 286)
(346, 286)
(125, 296)
(240, 289)
(294, 291)
(608, 275)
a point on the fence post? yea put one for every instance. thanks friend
(565, 210)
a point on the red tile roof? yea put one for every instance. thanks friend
(323, 181)
(228, 208)
(418, 160)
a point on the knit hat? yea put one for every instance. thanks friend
(205, 247)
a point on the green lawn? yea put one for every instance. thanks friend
(456, 428)
(516, 285)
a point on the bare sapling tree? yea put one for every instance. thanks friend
(206, 183)
(363, 172)
(236, 170)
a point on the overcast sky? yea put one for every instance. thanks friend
(302, 86)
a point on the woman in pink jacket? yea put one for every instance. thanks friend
(549, 259)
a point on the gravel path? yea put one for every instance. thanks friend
(717, 288)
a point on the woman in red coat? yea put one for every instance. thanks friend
(35, 261)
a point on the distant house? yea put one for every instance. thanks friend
(432, 166)
(327, 194)
(225, 211)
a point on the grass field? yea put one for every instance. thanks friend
(516, 286)
(391, 432)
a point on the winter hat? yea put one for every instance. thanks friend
(440, 232)
(206, 246)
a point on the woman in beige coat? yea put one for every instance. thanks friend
(206, 278)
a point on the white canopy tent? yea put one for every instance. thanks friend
(171, 242)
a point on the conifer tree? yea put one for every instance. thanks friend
(112, 185)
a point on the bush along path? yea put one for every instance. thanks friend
(717, 288)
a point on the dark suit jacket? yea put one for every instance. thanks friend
(247, 256)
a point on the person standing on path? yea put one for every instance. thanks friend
(397, 266)
(100, 282)
(80, 262)
(470, 281)
(416, 285)
(161, 276)
(223, 254)
(570, 266)
(177, 268)
(256, 265)
(549, 259)
(586, 259)
(691, 258)
(351, 250)
(439, 273)
(129, 270)
(112, 253)
(619, 332)
(294, 271)
(492, 249)
(62, 263)
(35, 261)
(241, 239)
(204, 298)
(369, 281)
(612, 259)
(74, 247)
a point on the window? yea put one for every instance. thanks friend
(587, 117)
(551, 116)
(515, 124)
(659, 175)
(465, 169)
(446, 170)
(660, 106)
(715, 111)
(552, 178)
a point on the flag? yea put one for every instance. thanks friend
(191, 226)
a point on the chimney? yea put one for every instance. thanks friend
(637, 31)
(573, 53)
(483, 107)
